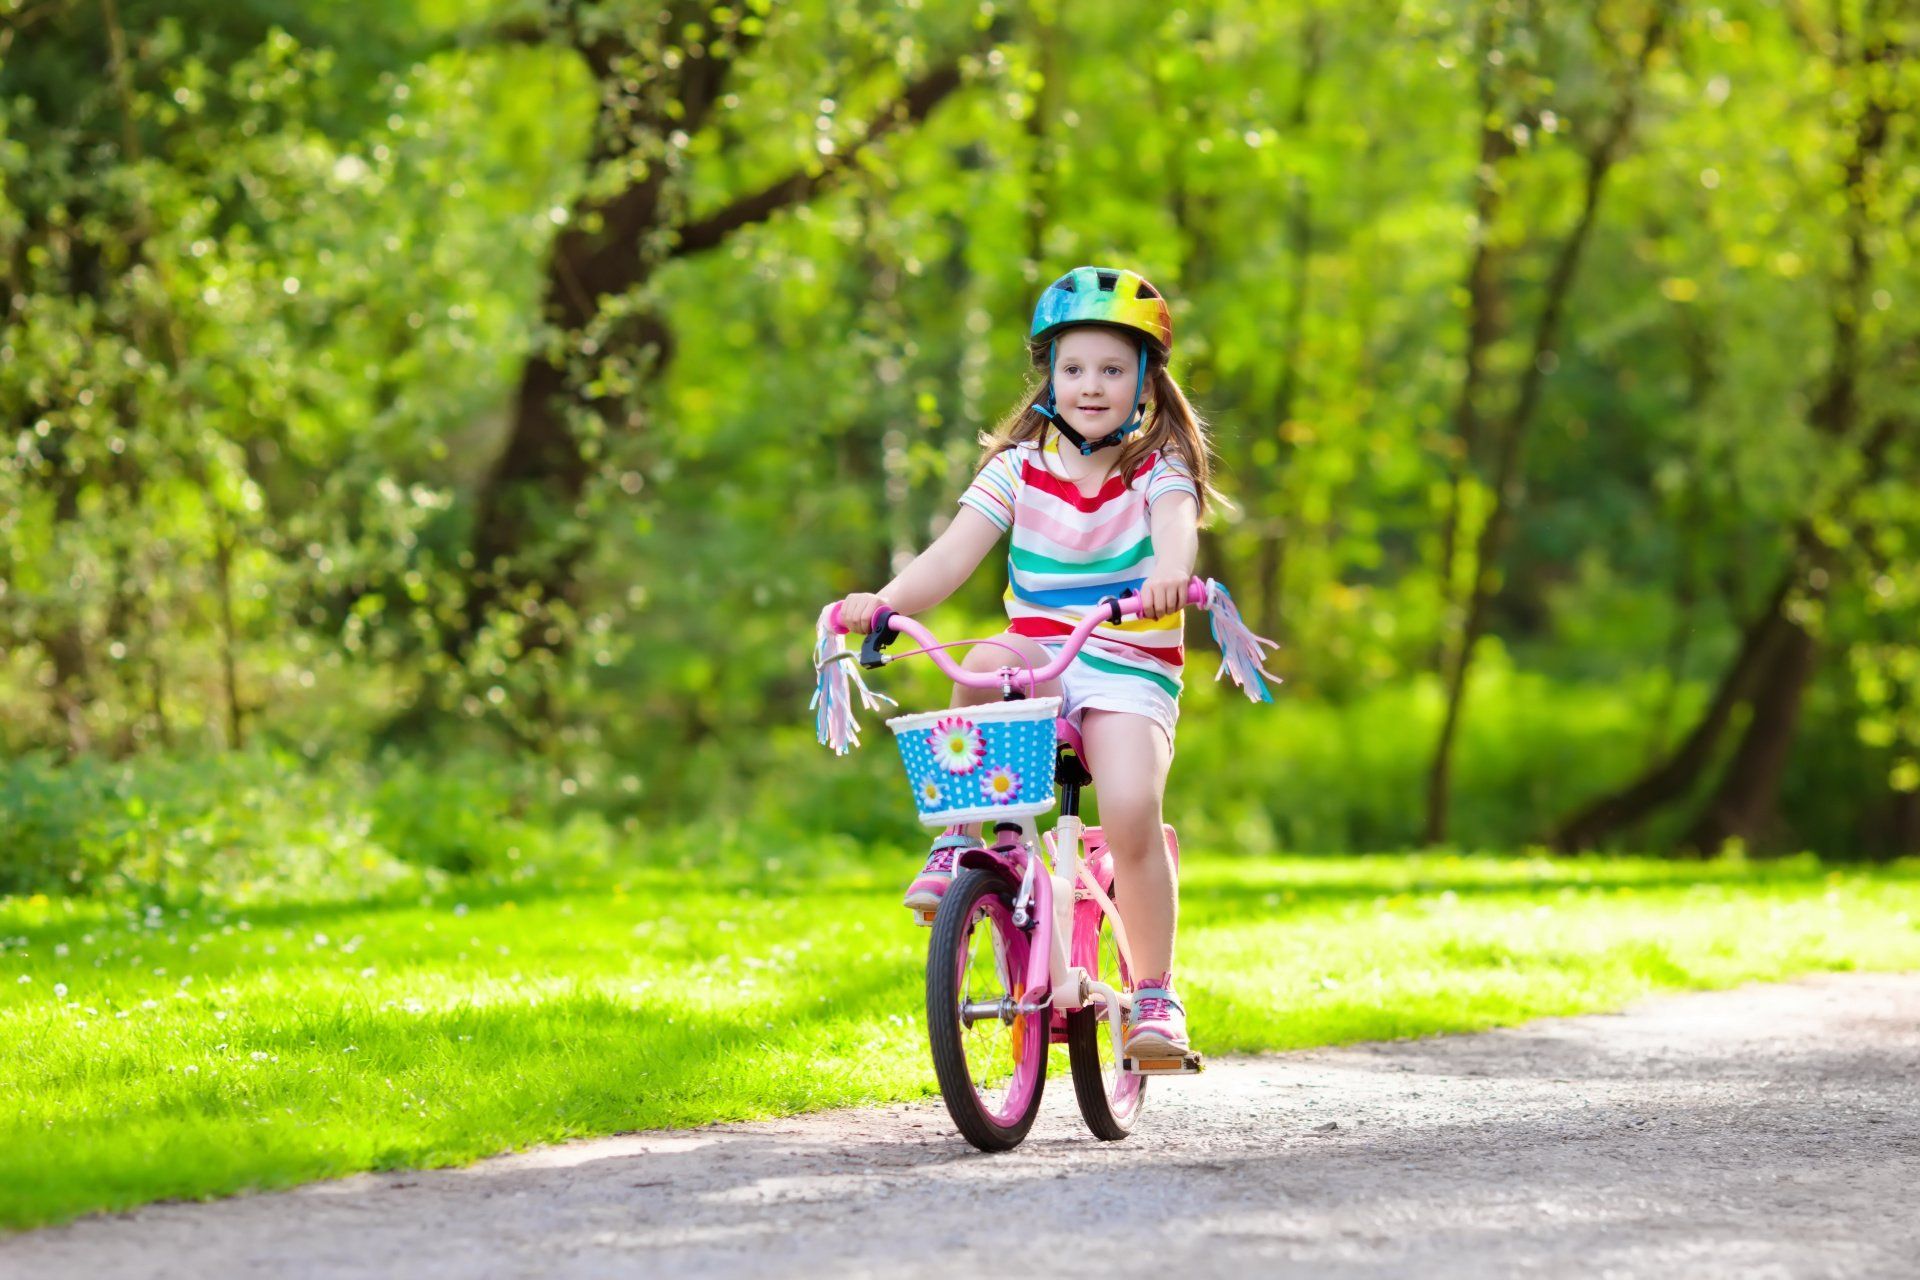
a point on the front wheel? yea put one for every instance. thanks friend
(1110, 1099)
(991, 1062)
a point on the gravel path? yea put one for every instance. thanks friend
(1769, 1131)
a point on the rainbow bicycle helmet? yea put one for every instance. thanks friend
(1113, 299)
(1118, 299)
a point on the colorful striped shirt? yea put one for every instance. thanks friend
(1069, 550)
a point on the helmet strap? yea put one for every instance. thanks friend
(1048, 410)
(1112, 439)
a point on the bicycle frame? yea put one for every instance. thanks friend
(1053, 980)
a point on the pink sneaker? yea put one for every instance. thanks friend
(1157, 1024)
(923, 895)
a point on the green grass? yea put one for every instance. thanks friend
(194, 1052)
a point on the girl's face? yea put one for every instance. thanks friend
(1096, 380)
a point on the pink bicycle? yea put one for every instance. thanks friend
(1028, 949)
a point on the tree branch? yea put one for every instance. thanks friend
(911, 107)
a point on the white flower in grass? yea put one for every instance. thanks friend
(59, 988)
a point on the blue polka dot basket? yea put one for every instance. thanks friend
(974, 764)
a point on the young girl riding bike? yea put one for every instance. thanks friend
(1101, 476)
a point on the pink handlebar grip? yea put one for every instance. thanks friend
(833, 618)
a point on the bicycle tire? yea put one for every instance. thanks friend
(974, 895)
(1110, 1101)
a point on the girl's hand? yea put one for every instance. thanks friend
(1162, 594)
(857, 610)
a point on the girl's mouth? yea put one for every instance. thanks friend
(1093, 408)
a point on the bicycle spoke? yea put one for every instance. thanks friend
(992, 1044)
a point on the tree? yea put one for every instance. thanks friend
(1776, 655)
(662, 76)
(1601, 155)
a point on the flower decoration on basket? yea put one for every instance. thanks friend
(930, 793)
(956, 744)
(1001, 785)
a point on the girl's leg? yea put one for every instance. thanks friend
(1130, 756)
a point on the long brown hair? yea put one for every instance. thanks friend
(1172, 425)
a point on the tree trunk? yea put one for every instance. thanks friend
(1756, 658)
(1484, 318)
(1702, 376)
(611, 247)
(1271, 560)
(1492, 539)
(63, 640)
(236, 726)
(1773, 665)
(1902, 838)
(1743, 806)
(1678, 774)
(1039, 130)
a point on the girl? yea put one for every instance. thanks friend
(1102, 476)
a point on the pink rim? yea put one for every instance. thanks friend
(1123, 1088)
(1089, 929)
(996, 1039)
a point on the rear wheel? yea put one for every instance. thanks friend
(990, 1061)
(1110, 1099)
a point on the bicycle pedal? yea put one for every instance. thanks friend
(923, 916)
(1190, 1065)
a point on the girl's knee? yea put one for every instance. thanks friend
(983, 658)
(1133, 827)
(1008, 651)
(1004, 651)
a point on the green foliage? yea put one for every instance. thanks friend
(1311, 776)
(275, 274)
(247, 827)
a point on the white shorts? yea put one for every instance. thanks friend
(1084, 687)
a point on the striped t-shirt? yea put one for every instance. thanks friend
(1070, 550)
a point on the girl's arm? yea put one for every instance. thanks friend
(1175, 523)
(934, 574)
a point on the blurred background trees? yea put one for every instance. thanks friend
(457, 377)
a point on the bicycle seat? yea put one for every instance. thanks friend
(1071, 767)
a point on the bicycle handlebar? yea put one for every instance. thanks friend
(887, 623)
(835, 687)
